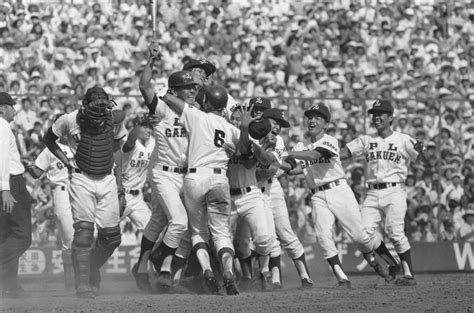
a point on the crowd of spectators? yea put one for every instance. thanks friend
(419, 54)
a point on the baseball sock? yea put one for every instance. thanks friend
(177, 266)
(145, 249)
(337, 268)
(159, 256)
(275, 268)
(246, 266)
(301, 267)
(385, 254)
(264, 263)
(405, 259)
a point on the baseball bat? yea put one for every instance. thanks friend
(153, 18)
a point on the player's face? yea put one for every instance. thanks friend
(381, 120)
(316, 124)
(145, 133)
(276, 128)
(257, 112)
(8, 112)
(187, 93)
(236, 118)
(201, 75)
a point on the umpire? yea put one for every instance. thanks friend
(15, 216)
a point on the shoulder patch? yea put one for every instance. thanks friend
(118, 116)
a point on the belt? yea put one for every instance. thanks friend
(133, 192)
(239, 191)
(326, 186)
(206, 170)
(174, 169)
(17, 175)
(76, 170)
(373, 186)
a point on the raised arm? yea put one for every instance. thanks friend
(146, 88)
(175, 103)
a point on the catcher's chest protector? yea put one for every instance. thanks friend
(94, 153)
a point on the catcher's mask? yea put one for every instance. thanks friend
(96, 106)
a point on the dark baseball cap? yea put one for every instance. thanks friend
(181, 78)
(320, 109)
(259, 129)
(94, 93)
(6, 99)
(277, 115)
(260, 102)
(381, 106)
(203, 63)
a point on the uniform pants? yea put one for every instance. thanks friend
(15, 232)
(62, 210)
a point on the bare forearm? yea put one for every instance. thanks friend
(50, 142)
(305, 155)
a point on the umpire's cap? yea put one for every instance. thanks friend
(202, 63)
(277, 115)
(181, 78)
(319, 109)
(216, 96)
(381, 106)
(259, 129)
(260, 102)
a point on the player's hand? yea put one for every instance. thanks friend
(154, 50)
(154, 119)
(245, 116)
(291, 161)
(229, 149)
(122, 202)
(8, 201)
(418, 146)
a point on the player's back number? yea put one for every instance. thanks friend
(219, 137)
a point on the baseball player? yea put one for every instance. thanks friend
(274, 195)
(94, 133)
(387, 153)
(325, 178)
(206, 185)
(168, 163)
(136, 153)
(253, 219)
(57, 174)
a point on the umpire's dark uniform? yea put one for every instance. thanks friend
(15, 226)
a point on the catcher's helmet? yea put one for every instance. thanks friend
(216, 96)
(96, 104)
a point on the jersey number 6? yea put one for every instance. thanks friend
(219, 136)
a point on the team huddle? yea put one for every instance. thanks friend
(218, 213)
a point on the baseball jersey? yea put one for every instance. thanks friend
(279, 151)
(66, 126)
(239, 175)
(230, 107)
(135, 165)
(323, 170)
(171, 138)
(386, 157)
(208, 133)
(55, 170)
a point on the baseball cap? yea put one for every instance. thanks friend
(259, 102)
(320, 109)
(381, 106)
(6, 99)
(94, 93)
(277, 115)
(259, 129)
(202, 63)
(181, 78)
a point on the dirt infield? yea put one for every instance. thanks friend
(434, 293)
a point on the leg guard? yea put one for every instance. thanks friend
(108, 239)
(68, 269)
(81, 251)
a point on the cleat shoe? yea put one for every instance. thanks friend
(381, 270)
(343, 284)
(164, 280)
(211, 281)
(307, 283)
(95, 282)
(277, 286)
(229, 284)
(393, 271)
(84, 291)
(406, 281)
(141, 279)
(266, 280)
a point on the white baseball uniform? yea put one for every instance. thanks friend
(206, 184)
(134, 175)
(93, 200)
(275, 198)
(387, 171)
(168, 163)
(332, 198)
(248, 201)
(58, 175)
